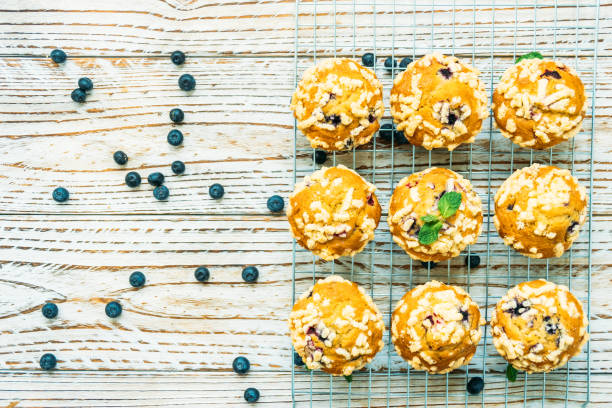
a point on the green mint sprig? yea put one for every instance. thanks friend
(533, 54)
(348, 378)
(448, 205)
(511, 373)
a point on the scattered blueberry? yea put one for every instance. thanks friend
(475, 385)
(400, 138)
(405, 62)
(120, 157)
(367, 60)
(177, 115)
(472, 260)
(177, 57)
(428, 265)
(78, 95)
(132, 179)
(113, 309)
(250, 274)
(320, 156)
(48, 361)
(390, 64)
(386, 131)
(137, 279)
(85, 84)
(241, 365)
(216, 191)
(297, 359)
(161, 193)
(187, 82)
(178, 167)
(58, 56)
(156, 179)
(445, 72)
(60, 194)
(202, 274)
(175, 137)
(49, 310)
(276, 203)
(251, 394)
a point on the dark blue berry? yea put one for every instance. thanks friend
(178, 167)
(60, 194)
(250, 274)
(386, 132)
(132, 179)
(297, 359)
(177, 115)
(58, 56)
(390, 64)
(177, 57)
(400, 139)
(276, 203)
(241, 365)
(120, 157)
(175, 137)
(113, 309)
(161, 193)
(156, 179)
(202, 274)
(367, 60)
(475, 385)
(472, 260)
(85, 84)
(405, 62)
(251, 394)
(429, 264)
(320, 156)
(216, 191)
(48, 361)
(187, 82)
(78, 95)
(137, 279)
(49, 310)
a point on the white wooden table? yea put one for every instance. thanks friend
(174, 343)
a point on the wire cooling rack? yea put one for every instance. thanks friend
(490, 36)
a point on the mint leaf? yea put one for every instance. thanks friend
(530, 55)
(428, 234)
(449, 204)
(511, 373)
(429, 218)
(348, 378)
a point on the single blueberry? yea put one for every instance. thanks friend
(445, 72)
(202, 274)
(276, 203)
(428, 265)
(132, 179)
(120, 157)
(250, 274)
(399, 137)
(49, 310)
(78, 95)
(405, 62)
(60, 194)
(297, 359)
(390, 64)
(367, 60)
(113, 309)
(156, 179)
(251, 394)
(386, 132)
(187, 82)
(472, 260)
(177, 115)
(241, 365)
(178, 167)
(475, 385)
(48, 361)
(177, 57)
(85, 84)
(161, 193)
(216, 191)
(320, 156)
(137, 279)
(175, 137)
(58, 56)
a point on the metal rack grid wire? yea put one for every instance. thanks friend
(489, 35)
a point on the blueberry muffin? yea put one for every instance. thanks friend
(438, 101)
(335, 327)
(338, 104)
(417, 205)
(538, 326)
(436, 327)
(539, 103)
(333, 212)
(539, 211)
